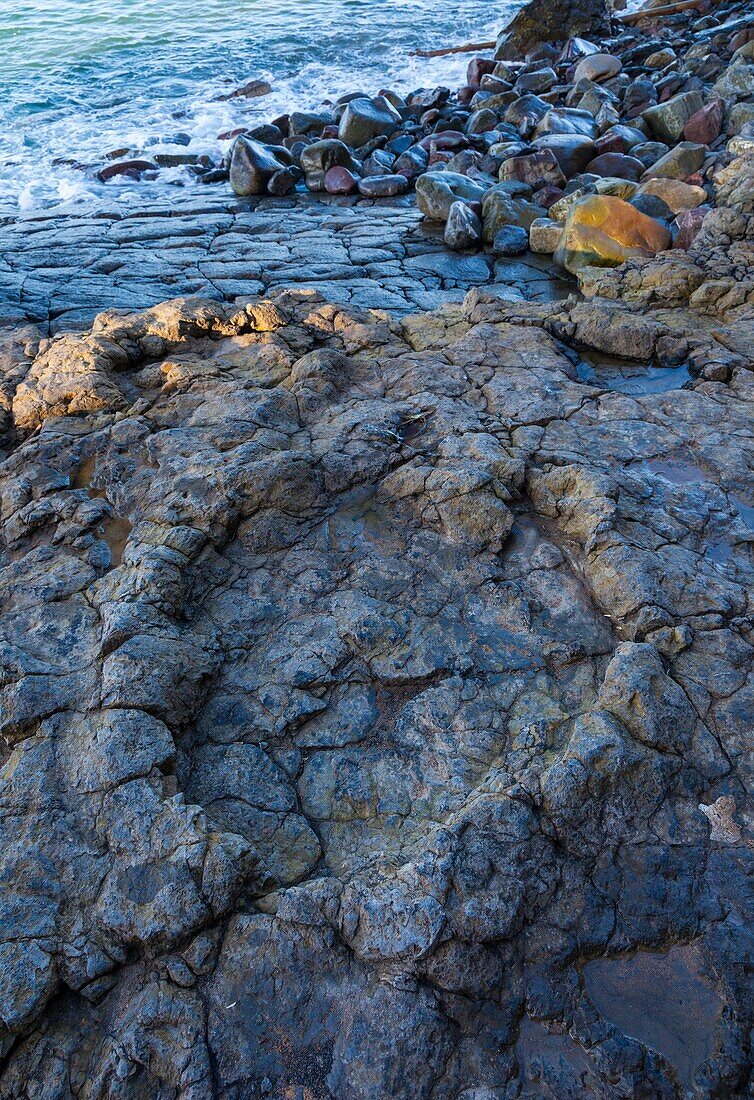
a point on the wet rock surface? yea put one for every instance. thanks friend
(378, 669)
(403, 690)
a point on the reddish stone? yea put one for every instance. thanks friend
(704, 126)
(229, 134)
(430, 117)
(696, 179)
(466, 94)
(437, 156)
(537, 169)
(610, 143)
(673, 87)
(639, 109)
(329, 132)
(477, 68)
(132, 169)
(339, 181)
(689, 223)
(547, 196)
(740, 39)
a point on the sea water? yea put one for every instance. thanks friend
(80, 79)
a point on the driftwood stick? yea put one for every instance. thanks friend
(470, 47)
(667, 9)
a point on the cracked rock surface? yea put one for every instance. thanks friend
(376, 704)
(59, 270)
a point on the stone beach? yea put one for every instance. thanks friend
(376, 584)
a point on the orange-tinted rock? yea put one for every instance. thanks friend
(677, 195)
(602, 231)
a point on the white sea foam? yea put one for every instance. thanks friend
(86, 77)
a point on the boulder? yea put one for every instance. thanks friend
(412, 162)
(611, 185)
(736, 83)
(616, 165)
(667, 120)
(544, 236)
(576, 48)
(437, 191)
(536, 169)
(541, 80)
(619, 139)
(318, 158)
(446, 141)
(383, 187)
(552, 21)
(705, 125)
(660, 58)
(481, 121)
(677, 195)
(340, 181)
(378, 163)
(253, 89)
(739, 116)
(283, 182)
(252, 166)
(308, 122)
(603, 231)
(567, 120)
(679, 163)
(572, 152)
(130, 168)
(428, 99)
(597, 66)
(649, 152)
(506, 204)
(510, 240)
(687, 226)
(476, 69)
(463, 229)
(638, 96)
(364, 119)
(525, 113)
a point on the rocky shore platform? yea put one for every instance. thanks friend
(376, 618)
(59, 270)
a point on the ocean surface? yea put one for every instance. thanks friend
(82, 78)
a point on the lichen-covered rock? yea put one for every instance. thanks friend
(668, 119)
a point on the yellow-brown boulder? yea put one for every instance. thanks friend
(604, 231)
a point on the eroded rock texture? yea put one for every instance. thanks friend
(371, 691)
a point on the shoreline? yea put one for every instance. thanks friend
(378, 607)
(402, 265)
